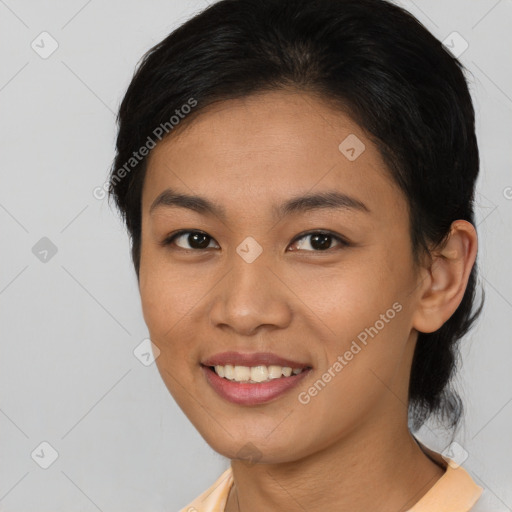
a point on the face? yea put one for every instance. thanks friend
(324, 284)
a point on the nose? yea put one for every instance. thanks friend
(251, 298)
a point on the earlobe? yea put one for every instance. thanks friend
(447, 276)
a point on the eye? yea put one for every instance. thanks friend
(318, 241)
(196, 240)
(315, 241)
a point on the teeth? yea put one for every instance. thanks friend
(255, 373)
(259, 373)
(274, 372)
(242, 373)
(229, 371)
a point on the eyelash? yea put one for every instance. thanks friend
(343, 242)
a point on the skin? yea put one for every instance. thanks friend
(349, 448)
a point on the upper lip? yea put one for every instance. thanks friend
(251, 359)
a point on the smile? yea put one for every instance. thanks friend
(244, 388)
(254, 374)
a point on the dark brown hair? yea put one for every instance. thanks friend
(374, 60)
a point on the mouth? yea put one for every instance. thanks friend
(253, 367)
(252, 379)
(255, 374)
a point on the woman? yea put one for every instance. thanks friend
(297, 177)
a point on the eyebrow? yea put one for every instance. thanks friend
(328, 200)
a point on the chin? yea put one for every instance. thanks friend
(252, 449)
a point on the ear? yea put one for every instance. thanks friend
(444, 280)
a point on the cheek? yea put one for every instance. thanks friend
(161, 296)
(167, 291)
(358, 318)
(173, 297)
(165, 303)
(347, 297)
(359, 368)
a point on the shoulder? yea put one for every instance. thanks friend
(215, 497)
(455, 491)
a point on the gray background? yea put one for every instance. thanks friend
(71, 321)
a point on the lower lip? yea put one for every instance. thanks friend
(252, 394)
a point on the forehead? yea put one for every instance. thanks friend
(269, 147)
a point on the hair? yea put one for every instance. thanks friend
(368, 58)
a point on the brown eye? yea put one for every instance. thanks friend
(318, 241)
(196, 240)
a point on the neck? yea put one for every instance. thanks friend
(376, 467)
